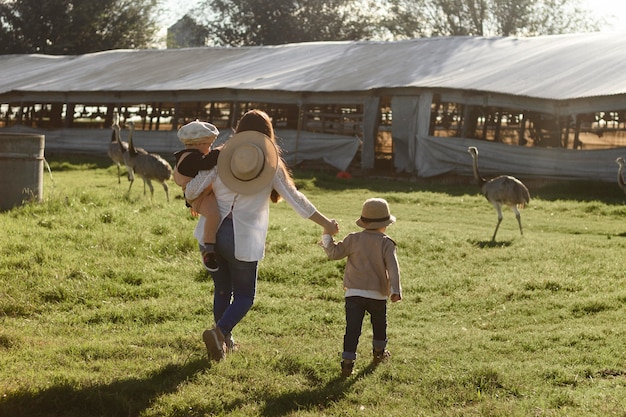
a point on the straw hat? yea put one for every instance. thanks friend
(247, 162)
(375, 214)
(197, 132)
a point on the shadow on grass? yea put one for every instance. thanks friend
(482, 244)
(583, 191)
(316, 399)
(373, 183)
(67, 162)
(455, 185)
(127, 397)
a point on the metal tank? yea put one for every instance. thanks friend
(21, 169)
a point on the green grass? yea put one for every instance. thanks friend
(103, 301)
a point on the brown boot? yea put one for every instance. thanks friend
(214, 341)
(380, 355)
(347, 366)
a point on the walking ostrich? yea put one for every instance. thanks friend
(117, 147)
(148, 166)
(503, 190)
(620, 178)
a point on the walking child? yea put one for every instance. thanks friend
(371, 275)
(197, 156)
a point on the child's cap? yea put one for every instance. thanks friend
(375, 214)
(197, 132)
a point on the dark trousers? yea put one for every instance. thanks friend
(235, 281)
(355, 312)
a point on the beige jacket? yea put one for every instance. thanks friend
(372, 263)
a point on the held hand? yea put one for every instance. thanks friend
(333, 228)
(395, 298)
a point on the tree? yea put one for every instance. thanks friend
(415, 18)
(75, 26)
(261, 22)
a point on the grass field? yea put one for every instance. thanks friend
(103, 300)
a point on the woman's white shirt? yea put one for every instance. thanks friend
(250, 212)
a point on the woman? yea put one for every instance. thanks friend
(250, 173)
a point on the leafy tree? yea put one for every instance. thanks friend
(75, 26)
(414, 18)
(551, 17)
(262, 22)
(407, 18)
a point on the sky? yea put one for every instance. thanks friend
(175, 9)
(614, 11)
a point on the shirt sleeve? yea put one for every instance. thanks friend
(196, 186)
(195, 162)
(326, 241)
(290, 193)
(336, 250)
(210, 160)
(392, 265)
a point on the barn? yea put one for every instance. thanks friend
(544, 107)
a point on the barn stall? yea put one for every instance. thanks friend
(549, 106)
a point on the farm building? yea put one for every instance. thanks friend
(548, 107)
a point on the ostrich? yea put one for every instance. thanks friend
(148, 166)
(117, 147)
(501, 191)
(620, 178)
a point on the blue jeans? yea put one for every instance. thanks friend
(235, 281)
(355, 312)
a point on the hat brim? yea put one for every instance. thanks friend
(265, 177)
(376, 225)
(197, 141)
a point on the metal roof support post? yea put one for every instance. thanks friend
(421, 128)
(371, 110)
(299, 129)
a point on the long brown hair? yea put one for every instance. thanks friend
(256, 120)
(259, 121)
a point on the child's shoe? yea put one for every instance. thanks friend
(346, 368)
(380, 355)
(209, 261)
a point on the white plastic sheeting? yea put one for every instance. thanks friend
(335, 150)
(435, 156)
(441, 155)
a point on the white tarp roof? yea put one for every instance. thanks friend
(558, 67)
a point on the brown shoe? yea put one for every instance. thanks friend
(214, 341)
(380, 355)
(346, 368)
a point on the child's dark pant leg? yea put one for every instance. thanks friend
(355, 311)
(378, 316)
